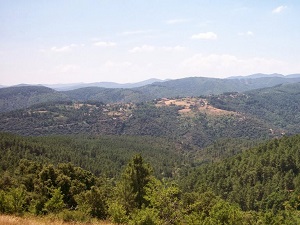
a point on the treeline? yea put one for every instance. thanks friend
(136, 197)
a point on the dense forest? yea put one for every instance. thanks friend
(197, 129)
(230, 158)
(102, 155)
(260, 103)
(257, 186)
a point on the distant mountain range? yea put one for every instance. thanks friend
(22, 96)
(73, 86)
(262, 75)
(67, 87)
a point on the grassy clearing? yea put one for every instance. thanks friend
(191, 104)
(30, 220)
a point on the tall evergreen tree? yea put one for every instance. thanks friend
(131, 189)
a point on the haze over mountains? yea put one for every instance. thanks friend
(21, 96)
(107, 84)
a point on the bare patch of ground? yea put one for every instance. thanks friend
(191, 105)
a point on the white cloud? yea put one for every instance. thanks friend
(105, 44)
(205, 36)
(144, 48)
(279, 9)
(224, 65)
(248, 33)
(150, 48)
(63, 48)
(177, 21)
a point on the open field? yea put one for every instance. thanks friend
(14, 220)
(191, 104)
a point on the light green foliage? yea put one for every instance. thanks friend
(125, 196)
(55, 203)
(101, 155)
(145, 216)
(117, 213)
(16, 199)
(166, 199)
(224, 213)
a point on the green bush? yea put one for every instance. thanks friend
(117, 213)
(74, 215)
(146, 216)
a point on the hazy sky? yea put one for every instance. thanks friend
(69, 41)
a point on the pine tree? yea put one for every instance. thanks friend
(131, 189)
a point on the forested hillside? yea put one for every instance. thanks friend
(193, 126)
(217, 159)
(192, 121)
(102, 155)
(261, 179)
(279, 105)
(258, 186)
(19, 97)
(196, 86)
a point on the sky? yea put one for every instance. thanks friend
(126, 41)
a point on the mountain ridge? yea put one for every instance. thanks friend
(18, 97)
(195, 121)
(109, 84)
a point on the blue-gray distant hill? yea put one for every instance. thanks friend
(262, 75)
(68, 87)
(19, 97)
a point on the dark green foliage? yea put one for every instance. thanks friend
(93, 202)
(263, 178)
(44, 189)
(136, 176)
(139, 198)
(278, 105)
(224, 148)
(107, 95)
(102, 155)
